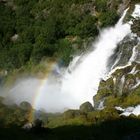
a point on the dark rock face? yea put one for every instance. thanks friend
(86, 107)
(136, 27)
(125, 50)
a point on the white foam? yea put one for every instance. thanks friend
(101, 105)
(133, 70)
(136, 13)
(129, 110)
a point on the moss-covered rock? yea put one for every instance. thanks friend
(105, 89)
(131, 100)
(86, 107)
(122, 89)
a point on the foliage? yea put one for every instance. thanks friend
(14, 115)
(87, 27)
(43, 26)
(101, 5)
(108, 18)
(132, 99)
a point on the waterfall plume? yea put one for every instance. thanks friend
(79, 82)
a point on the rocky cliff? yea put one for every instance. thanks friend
(122, 86)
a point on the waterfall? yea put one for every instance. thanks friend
(80, 81)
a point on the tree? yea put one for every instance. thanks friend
(108, 18)
(87, 27)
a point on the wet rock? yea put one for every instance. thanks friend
(124, 50)
(105, 89)
(122, 88)
(136, 27)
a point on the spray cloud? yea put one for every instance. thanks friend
(79, 82)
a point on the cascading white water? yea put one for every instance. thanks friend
(81, 83)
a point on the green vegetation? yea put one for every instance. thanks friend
(73, 124)
(13, 115)
(101, 5)
(108, 18)
(133, 98)
(120, 89)
(33, 30)
(105, 89)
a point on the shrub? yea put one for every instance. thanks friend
(108, 18)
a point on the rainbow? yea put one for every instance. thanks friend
(42, 84)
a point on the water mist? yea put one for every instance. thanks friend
(79, 82)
